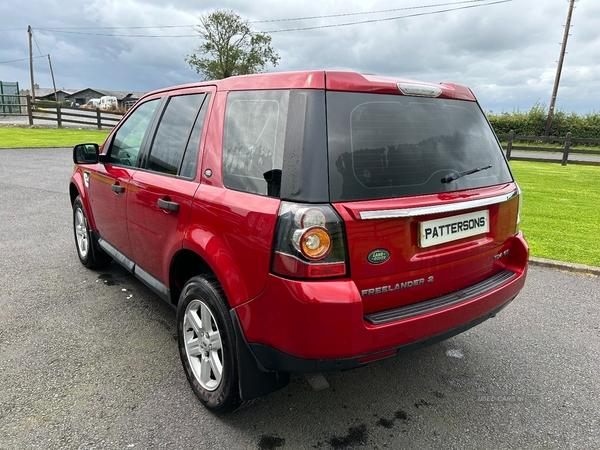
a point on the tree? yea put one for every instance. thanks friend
(230, 47)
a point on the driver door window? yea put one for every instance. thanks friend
(128, 139)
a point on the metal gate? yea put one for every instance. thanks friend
(10, 102)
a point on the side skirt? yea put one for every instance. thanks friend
(153, 283)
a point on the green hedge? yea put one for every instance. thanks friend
(533, 123)
(50, 104)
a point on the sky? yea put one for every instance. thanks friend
(506, 51)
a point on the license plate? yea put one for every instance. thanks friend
(448, 229)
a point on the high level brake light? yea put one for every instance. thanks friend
(309, 242)
(419, 90)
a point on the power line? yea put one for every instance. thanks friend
(390, 18)
(369, 12)
(63, 30)
(121, 35)
(272, 20)
(23, 59)
(36, 42)
(115, 28)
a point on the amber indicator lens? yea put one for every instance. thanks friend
(314, 243)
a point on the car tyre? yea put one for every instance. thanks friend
(90, 254)
(207, 344)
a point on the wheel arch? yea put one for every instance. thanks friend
(185, 264)
(73, 192)
(190, 262)
(76, 189)
(212, 255)
(253, 381)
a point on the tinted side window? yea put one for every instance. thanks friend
(126, 144)
(255, 125)
(174, 132)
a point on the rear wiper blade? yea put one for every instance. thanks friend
(456, 175)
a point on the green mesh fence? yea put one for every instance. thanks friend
(8, 97)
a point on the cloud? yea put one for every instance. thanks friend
(506, 52)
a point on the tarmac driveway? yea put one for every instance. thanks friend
(88, 360)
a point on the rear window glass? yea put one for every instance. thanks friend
(383, 146)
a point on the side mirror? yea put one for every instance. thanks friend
(86, 154)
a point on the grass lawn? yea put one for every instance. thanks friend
(15, 137)
(561, 210)
(561, 205)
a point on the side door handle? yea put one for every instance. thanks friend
(168, 205)
(117, 188)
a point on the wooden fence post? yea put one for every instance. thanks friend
(58, 116)
(29, 110)
(566, 150)
(99, 118)
(509, 144)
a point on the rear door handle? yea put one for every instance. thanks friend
(117, 188)
(170, 206)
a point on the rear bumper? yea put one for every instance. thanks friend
(272, 359)
(299, 326)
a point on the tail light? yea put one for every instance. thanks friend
(520, 194)
(309, 242)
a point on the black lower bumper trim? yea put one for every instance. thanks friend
(275, 360)
(426, 306)
(254, 380)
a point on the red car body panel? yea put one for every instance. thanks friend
(354, 82)
(234, 231)
(156, 234)
(212, 160)
(453, 265)
(109, 208)
(324, 320)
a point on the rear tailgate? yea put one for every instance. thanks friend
(406, 250)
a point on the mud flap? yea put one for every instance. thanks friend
(254, 381)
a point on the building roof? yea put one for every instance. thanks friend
(120, 95)
(44, 92)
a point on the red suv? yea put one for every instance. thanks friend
(304, 222)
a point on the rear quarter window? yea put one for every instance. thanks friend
(383, 146)
(255, 127)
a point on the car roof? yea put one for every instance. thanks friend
(321, 79)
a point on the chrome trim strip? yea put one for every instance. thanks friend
(425, 210)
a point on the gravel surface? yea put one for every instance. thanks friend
(88, 360)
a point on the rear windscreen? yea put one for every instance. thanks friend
(383, 146)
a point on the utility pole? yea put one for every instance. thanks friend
(53, 83)
(561, 59)
(31, 65)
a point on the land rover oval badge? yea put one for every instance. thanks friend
(378, 256)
